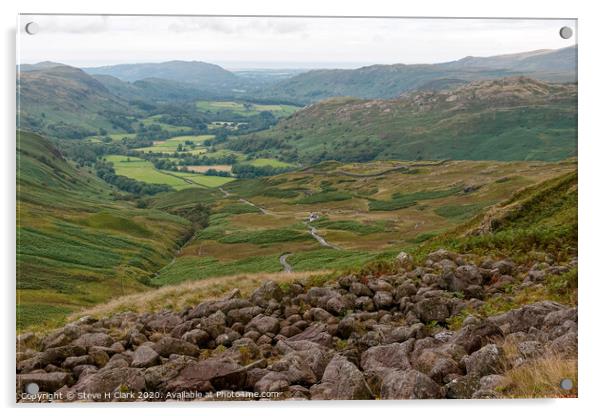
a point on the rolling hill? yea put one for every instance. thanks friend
(76, 244)
(64, 101)
(388, 81)
(197, 73)
(506, 119)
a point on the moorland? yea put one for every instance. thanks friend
(152, 187)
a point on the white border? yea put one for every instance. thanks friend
(590, 201)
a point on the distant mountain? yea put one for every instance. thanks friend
(66, 102)
(38, 66)
(152, 89)
(388, 81)
(547, 64)
(198, 73)
(505, 119)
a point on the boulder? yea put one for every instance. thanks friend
(383, 300)
(476, 334)
(317, 333)
(463, 277)
(267, 291)
(98, 339)
(433, 309)
(410, 384)
(488, 360)
(109, 380)
(462, 387)
(405, 260)
(145, 356)
(341, 381)
(264, 324)
(504, 266)
(210, 374)
(168, 345)
(494, 382)
(436, 365)
(394, 356)
(164, 322)
(525, 317)
(197, 337)
(272, 382)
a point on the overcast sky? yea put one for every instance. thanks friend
(260, 42)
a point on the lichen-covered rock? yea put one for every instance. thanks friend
(392, 356)
(145, 356)
(168, 345)
(433, 309)
(341, 381)
(488, 360)
(410, 384)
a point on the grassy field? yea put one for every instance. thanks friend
(245, 109)
(367, 211)
(144, 171)
(76, 245)
(270, 162)
(167, 127)
(171, 145)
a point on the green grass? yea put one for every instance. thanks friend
(269, 236)
(239, 208)
(197, 268)
(270, 162)
(171, 145)
(167, 127)
(400, 201)
(322, 197)
(76, 245)
(538, 218)
(36, 314)
(144, 171)
(350, 225)
(461, 212)
(332, 259)
(245, 109)
(204, 180)
(346, 129)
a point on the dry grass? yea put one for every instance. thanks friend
(180, 296)
(541, 377)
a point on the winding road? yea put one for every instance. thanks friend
(263, 210)
(287, 267)
(312, 230)
(314, 233)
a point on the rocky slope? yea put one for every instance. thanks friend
(357, 337)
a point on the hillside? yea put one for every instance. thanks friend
(64, 101)
(444, 324)
(506, 119)
(388, 81)
(197, 73)
(77, 245)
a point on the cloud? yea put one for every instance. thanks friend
(72, 24)
(238, 25)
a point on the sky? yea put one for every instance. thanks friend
(283, 42)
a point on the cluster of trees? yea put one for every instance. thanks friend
(253, 144)
(215, 172)
(243, 170)
(190, 160)
(106, 172)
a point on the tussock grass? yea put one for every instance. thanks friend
(190, 293)
(540, 377)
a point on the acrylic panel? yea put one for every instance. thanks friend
(277, 208)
